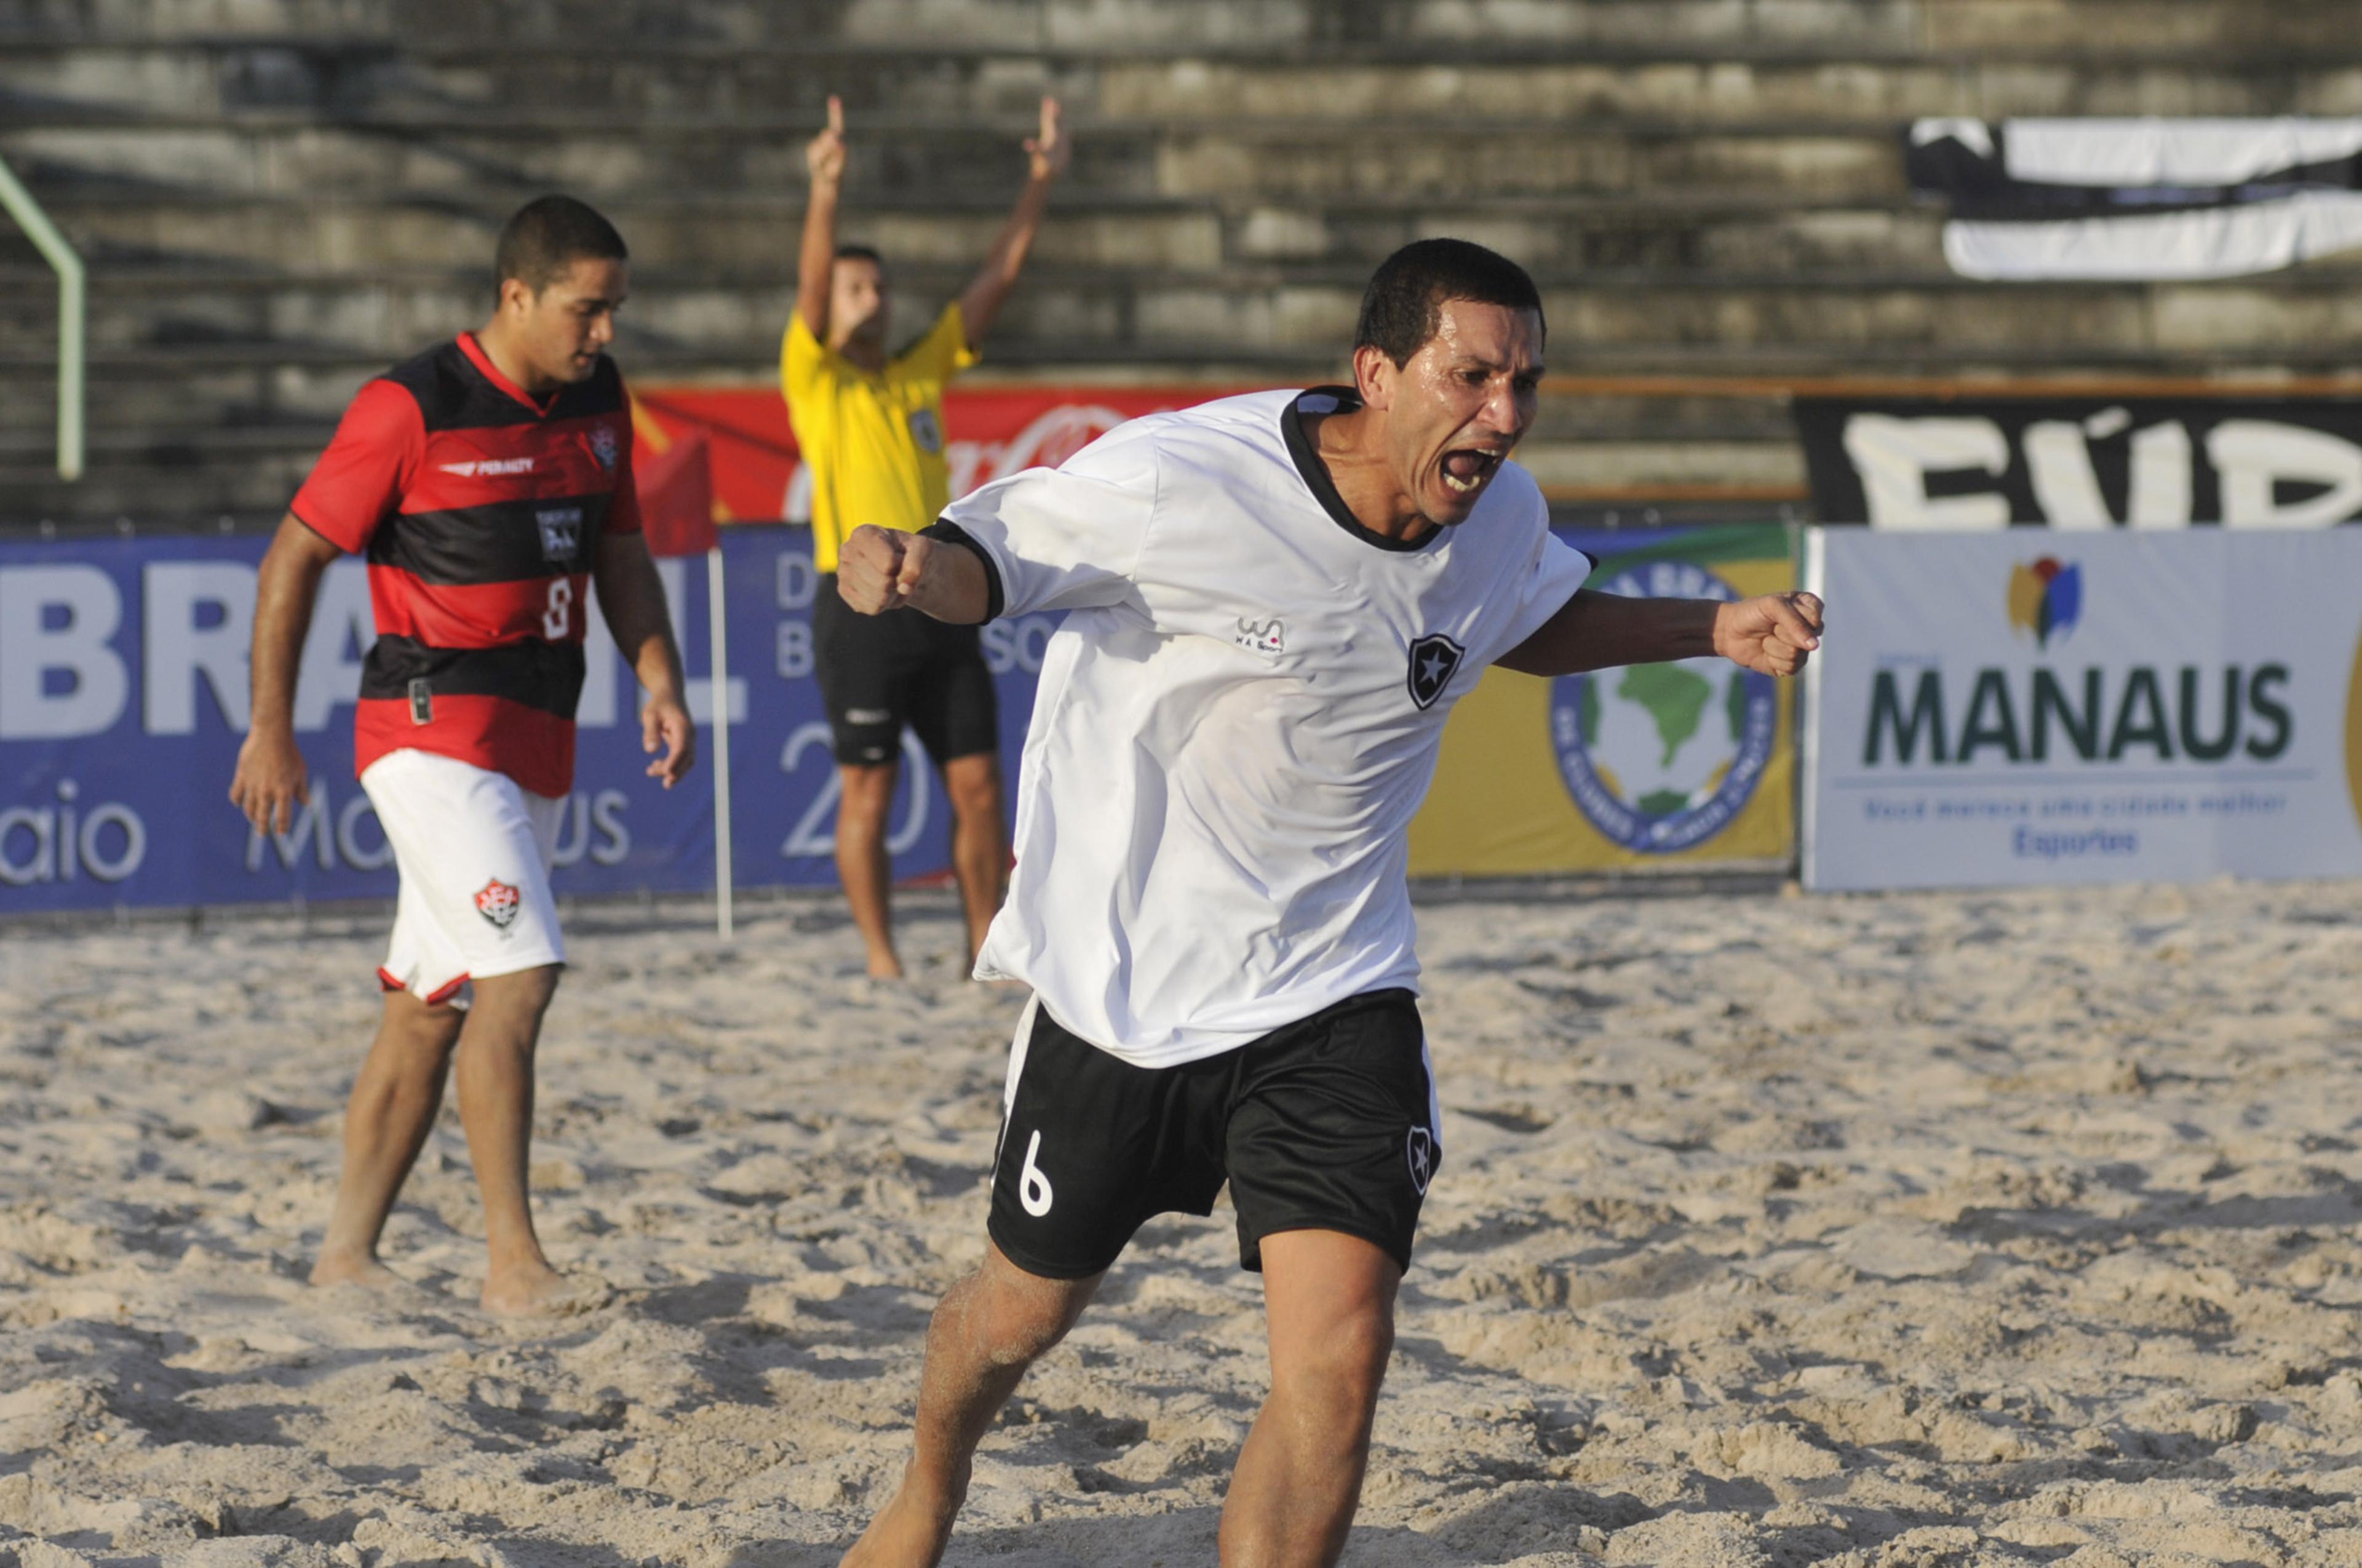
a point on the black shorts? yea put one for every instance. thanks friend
(1328, 1124)
(881, 672)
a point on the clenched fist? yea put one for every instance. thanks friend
(881, 569)
(1773, 635)
(878, 568)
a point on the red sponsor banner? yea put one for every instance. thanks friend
(757, 477)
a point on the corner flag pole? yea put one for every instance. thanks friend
(721, 663)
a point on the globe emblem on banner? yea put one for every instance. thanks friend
(1661, 757)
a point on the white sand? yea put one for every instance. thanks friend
(2010, 1229)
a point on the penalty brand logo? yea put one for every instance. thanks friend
(498, 903)
(490, 467)
(2045, 597)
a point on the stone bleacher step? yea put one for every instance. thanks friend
(2010, 28)
(1233, 161)
(782, 90)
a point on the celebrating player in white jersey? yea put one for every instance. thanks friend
(1274, 603)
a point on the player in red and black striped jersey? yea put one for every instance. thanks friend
(489, 484)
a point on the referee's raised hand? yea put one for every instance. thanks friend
(824, 154)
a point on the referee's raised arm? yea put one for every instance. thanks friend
(825, 161)
(1047, 154)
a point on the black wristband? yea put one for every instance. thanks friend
(945, 532)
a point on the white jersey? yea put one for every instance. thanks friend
(1237, 720)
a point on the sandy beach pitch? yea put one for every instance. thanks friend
(2009, 1229)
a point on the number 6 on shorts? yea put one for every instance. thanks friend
(1032, 1187)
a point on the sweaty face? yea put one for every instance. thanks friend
(565, 328)
(857, 303)
(1461, 404)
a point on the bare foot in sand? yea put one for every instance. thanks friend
(906, 1533)
(339, 1266)
(536, 1290)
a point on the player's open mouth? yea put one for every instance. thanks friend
(1465, 469)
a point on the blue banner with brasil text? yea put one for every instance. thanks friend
(123, 701)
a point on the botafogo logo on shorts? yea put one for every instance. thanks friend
(1419, 1151)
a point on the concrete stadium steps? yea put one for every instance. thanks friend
(280, 198)
(1233, 161)
(2129, 27)
(681, 80)
(122, 226)
(1279, 318)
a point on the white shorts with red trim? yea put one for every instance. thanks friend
(474, 850)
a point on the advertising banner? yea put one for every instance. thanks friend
(123, 700)
(992, 431)
(1647, 767)
(2084, 462)
(2015, 708)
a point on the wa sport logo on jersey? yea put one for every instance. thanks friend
(1433, 660)
(1263, 637)
(1659, 757)
(498, 903)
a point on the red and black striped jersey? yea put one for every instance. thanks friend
(480, 508)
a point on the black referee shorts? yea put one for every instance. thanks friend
(1328, 1124)
(881, 672)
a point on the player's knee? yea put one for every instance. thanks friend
(1344, 1365)
(1006, 1332)
(528, 990)
(866, 796)
(1021, 1321)
(421, 1032)
(974, 790)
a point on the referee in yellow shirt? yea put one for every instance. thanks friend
(871, 429)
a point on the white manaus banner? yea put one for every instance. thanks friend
(2025, 707)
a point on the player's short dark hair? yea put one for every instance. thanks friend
(548, 235)
(851, 252)
(1404, 303)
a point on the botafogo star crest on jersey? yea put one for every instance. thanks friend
(1433, 659)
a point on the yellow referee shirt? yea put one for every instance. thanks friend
(875, 443)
